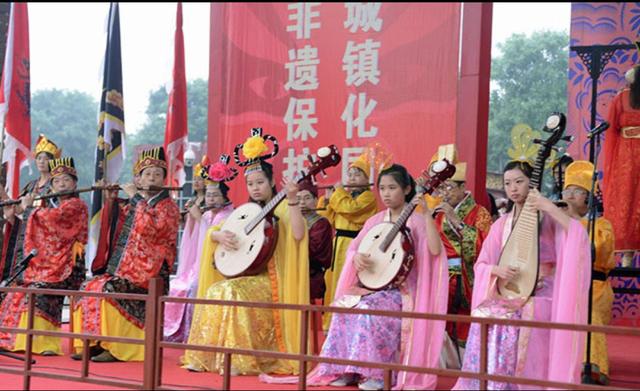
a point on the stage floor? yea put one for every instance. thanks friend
(624, 373)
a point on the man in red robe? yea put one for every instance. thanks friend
(463, 226)
(145, 249)
(58, 232)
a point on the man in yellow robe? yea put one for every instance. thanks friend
(576, 193)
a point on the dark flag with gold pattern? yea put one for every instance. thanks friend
(110, 146)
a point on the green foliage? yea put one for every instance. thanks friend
(152, 131)
(69, 118)
(530, 80)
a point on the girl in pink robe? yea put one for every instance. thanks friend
(177, 316)
(561, 295)
(414, 342)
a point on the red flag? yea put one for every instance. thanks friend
(175, 136)
(15, 97)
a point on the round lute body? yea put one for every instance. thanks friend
(255, 248)
(391, 267)
(255, 227)
(390, 246)
(521, 250)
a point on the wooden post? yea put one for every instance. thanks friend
(304, 326)
(151, 323)
(483, 354)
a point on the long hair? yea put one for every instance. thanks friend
(402, 177)
(634, 87)
(526, 169)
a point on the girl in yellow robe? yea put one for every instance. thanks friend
(286, 280)
(347, 210)
(576, 194)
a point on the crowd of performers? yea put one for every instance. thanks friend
(457, 245)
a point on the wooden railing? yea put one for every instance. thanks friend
(154, 344)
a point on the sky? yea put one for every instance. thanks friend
(67, 43)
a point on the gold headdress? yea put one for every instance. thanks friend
(579, 173)
(61, 166)
(253, 150)
(524, 149)
(450, 153)
(151, 158)
(43, 144)
(200, 169)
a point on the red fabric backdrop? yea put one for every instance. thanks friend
(406, 97)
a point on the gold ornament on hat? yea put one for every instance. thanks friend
(524, 149)
(151, 158)
(43, 144)
(62, 166)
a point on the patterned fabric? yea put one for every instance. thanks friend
(560, 296)
(177, 316)
(345, 211)
(14, 234)
(59, 235)
(287, 281)
(235, 327)
(365, 337)
(466, 245)
(621, 187)
(145, 249)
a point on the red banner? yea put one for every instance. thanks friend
(350, 74)
(15, 97)
(175, 134)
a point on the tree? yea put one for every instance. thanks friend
(152, 131)
(530, 79)
(69, 119)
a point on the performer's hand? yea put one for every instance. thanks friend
(26, 201)
(226, 239)
(505, 272)
(362, 262)
(445, 208)
(9, 213)
(337, 186)
(130, 189)
(327, 195)
(419, 200)
(539, 202)
(3, 194)
(292, 190)
(194, 210)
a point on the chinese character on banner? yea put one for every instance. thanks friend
(303, 19)
(294, 163)
(299, 119)
(361, 62)
(364, 110)
(303, 69)
(363, 15)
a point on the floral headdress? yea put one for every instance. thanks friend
(219, 172)
(254, 151)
